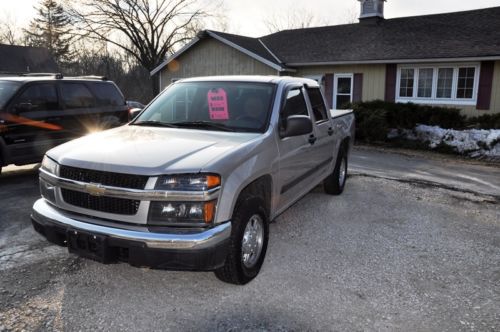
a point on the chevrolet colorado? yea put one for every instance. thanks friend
(194, 180)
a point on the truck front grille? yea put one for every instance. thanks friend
(100, 203)
(105, 178)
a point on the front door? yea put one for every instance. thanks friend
(342, 90)
(296, 152)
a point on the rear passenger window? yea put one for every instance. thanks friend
(107, 94)
(317, 103)
(41, 97)
(294, 104)
(77, 95)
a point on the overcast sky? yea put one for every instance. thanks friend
(247, 16)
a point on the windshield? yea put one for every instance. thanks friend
(223, 106)
(7, 90)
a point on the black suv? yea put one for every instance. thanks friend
(38, 112)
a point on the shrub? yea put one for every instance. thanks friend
(371, 125)
(486, 121)
(375, 118)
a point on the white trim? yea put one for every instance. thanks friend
(433, 100)
(399, 61)
(247, 52)
(335, 84)
(175, 55)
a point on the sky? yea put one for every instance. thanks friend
(247, 17)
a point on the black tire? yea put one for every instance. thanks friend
(234, 270)
(334, 184)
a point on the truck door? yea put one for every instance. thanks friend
(33, 122)
(296, 162)
(324, 132)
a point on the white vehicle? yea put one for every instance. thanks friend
(194, 181)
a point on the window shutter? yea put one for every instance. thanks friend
(357, 94)
(485, 85)
(391, 72)
(329, 89)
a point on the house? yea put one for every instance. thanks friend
(15, 60)
(450, 59)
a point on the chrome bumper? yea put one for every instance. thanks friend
(45, 214)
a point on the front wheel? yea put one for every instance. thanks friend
(248, 243)
(335, 183)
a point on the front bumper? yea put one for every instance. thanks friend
(202, 250)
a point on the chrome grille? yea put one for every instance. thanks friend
(105, 178)
(100, 203)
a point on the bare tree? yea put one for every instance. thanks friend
(153, 29)
(294, 18)
(10, 33)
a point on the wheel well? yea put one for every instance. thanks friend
(261, 187)
(345, 143)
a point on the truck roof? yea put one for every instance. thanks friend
(253, 78)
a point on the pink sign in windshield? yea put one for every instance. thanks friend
(217, 104)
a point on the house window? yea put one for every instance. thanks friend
(425, 82)
(407, 79)
(438, 84)
(465, 87)
(342, 90)
(444, 83)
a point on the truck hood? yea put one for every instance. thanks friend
(149, 150)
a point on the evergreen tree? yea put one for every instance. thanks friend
(51, 29)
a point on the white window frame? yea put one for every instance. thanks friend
(433, 99)
(335, 83)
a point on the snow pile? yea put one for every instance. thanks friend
(472, 142)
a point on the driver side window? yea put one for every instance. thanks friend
(295, 104)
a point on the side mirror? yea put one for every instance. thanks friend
(297, 125)
(24, 107)
(133, 113)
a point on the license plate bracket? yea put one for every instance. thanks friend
(89, 245)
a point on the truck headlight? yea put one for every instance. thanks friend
(181, 213)
(49, 165)
(188, 182)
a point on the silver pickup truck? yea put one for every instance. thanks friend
(193, 182)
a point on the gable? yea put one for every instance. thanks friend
(210, 57)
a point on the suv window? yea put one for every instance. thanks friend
(317, 103)
(42, 97)
(107, 94)
(76, 95)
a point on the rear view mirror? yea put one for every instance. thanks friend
(297, 125)
(133, 113)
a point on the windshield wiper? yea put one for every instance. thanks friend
(154, 123)
(204, 124)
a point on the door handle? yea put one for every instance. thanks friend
(330, 131)
(312, 139)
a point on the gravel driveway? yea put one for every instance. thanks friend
(386, 255)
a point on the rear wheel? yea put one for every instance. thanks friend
(335, 183)
(248, 243)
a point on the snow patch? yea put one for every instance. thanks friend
(472, 142)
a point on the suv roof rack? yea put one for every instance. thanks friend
(93, 77)
(55, 75)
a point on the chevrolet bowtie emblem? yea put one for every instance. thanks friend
(95, 189)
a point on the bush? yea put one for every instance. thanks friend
(486, 121)
(375, 118)
(371, 125)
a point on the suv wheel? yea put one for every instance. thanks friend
(335, 183)
(248, 243)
